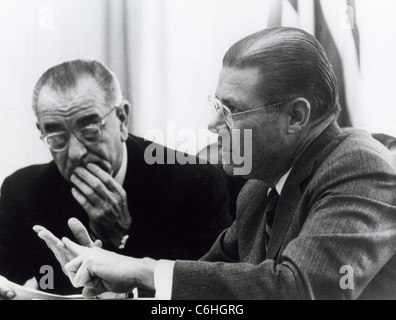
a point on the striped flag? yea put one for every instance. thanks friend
(333, 23)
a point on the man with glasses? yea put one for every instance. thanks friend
(99, 176)
(316, 220)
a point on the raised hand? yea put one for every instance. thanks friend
(105, 201)
(63, 254)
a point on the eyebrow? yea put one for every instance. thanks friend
(88, 119)
(84, 120)
(230, 103)
(52, 126)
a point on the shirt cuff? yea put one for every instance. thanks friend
(163, 279)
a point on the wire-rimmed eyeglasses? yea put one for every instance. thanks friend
(228, 115)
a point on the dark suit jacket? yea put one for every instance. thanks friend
(337, 209)
(177, 212)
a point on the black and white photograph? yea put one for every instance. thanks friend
(197, 150)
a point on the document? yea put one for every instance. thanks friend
(26, 293)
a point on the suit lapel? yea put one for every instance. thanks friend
(292, 190)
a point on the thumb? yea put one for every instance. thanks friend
(80, 232)
(73, 247)
(98, 243)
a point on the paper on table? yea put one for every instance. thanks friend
(26, 293)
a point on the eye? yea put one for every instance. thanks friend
(57, 140)
(233, 109)
(90, 133)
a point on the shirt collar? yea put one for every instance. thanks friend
(279, 186)
(120, 176)
(316, 132)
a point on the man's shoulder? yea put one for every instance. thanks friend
(358, 148)
(357, 137)
(34, 170)
(345, 149)
(357, 158)
(32, 176)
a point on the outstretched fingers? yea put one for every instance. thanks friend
(62, 254)
(80, 232)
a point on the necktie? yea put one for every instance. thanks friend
(270, 209)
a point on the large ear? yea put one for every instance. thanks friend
(299, 113)
(123, 114)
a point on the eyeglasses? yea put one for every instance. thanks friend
(88, 135)
(228, 115)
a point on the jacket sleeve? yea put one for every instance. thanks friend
(350, 222)
(15, 262)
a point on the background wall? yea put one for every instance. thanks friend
(35, 35)
(167, 54)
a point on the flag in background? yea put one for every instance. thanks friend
(333, 23)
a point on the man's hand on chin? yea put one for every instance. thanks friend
(105, 201)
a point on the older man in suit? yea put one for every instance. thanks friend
(317, 218)
(100, 176)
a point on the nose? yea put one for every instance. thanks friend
(76, 149)
(217, 123)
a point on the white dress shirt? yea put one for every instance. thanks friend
(121, 174)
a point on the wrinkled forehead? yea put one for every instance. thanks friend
(86, 94)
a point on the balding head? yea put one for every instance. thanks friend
(65, 76)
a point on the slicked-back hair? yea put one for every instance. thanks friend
(291, 63)
(65, 76)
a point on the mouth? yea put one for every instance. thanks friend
(104, 165)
